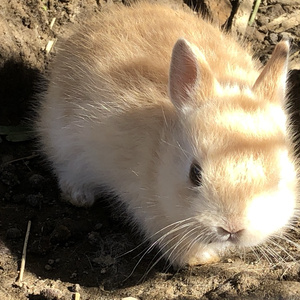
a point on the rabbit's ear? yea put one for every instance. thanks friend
(271, 83)
(189, 74)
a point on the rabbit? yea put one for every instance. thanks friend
(156, 105)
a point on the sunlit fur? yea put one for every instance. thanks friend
(129, 111)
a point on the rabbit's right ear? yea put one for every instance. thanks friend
(189, 76)
(271, 83)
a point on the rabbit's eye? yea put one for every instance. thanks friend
(195, 174)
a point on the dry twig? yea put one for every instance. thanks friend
(22, 268)
(76, 296)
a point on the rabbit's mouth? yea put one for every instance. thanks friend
(226, 238)
(229, 235)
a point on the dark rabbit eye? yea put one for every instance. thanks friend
(195, 174)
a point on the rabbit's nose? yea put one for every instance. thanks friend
(229, 235)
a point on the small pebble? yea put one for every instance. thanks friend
(51, 294)
(18, 198)
(48, 267)
(259, 35)
(36, 180)
(73, 275)
(51, 262)
(284, 36)
(9, 178)
(98, 226)
(34, 200)
(262, 20)
(93, 237)
(273, 38)
(13, 233)
(105, 260)
(60, 234)
(75, 288)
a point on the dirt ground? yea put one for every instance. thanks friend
(94, 252)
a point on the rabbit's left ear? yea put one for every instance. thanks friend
(189, 74)
(271, 83)
(184, 73)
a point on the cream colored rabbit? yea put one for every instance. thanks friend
(173, 116)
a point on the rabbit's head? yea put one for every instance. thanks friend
(227, 175)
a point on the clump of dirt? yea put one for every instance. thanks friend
(94, 252)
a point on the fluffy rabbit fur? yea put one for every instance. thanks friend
(159, 107)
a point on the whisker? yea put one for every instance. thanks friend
(179, 225)
(170, 250)
(152, 265)
(180, 244)
(274, 243)
(162, 251)
(186, 153)
(261, 249)
(153, 235)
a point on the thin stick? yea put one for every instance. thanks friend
(52, 22)
(22, 268)
(49, 46)
(76, 296)
(254, 12)
(19, 159)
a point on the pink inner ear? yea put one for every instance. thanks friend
(183, 73)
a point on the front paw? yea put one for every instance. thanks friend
(81, 198)
(202, 257)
